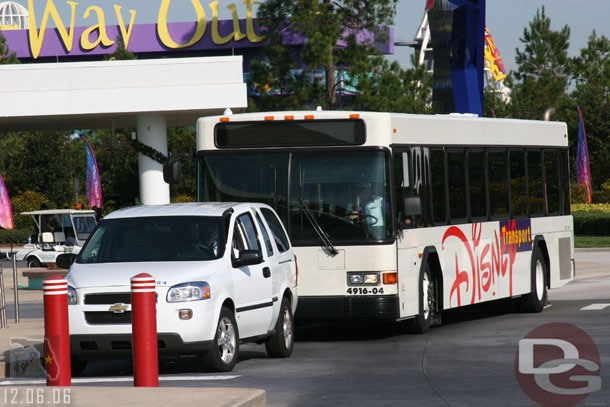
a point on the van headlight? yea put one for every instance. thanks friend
(71, 296)
(194, 291)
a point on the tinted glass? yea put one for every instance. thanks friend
(281, 240)
(245, 221)
(285, 133)
(498, 185)
(169, 238)
(437, 174)
(268, 244)
(553, 197)
(476, 181)
(535, 184)
(518, 186)
(457, 186)
(246, 178)
(347, 192)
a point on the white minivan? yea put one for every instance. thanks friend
(225, 273)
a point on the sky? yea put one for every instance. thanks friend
(506, 19)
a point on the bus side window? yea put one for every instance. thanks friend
(402, 186)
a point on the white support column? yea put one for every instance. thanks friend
(152, 131)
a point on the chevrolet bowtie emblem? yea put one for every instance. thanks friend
(118, 308)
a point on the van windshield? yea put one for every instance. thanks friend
(162, 238)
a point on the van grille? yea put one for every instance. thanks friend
(107, 318)
(107, 298)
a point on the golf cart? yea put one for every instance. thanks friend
(59, 231)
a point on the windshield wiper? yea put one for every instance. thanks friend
(326, 243)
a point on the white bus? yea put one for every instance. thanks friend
(399, 216)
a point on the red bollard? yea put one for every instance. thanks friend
(56, 331)
(144, 331)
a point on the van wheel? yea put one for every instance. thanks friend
(427, 298)
(33, 262)
(536, 299)
(281, 343)
(225, 347)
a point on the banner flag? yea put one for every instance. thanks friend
(6, 212)
(583, 174)
(93, 186)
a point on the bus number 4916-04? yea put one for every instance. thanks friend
(364, 290)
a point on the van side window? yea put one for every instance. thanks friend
(281, 240)
(268, 244)
(249, 231)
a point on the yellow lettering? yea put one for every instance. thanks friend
(236, 34)
(163, 32)
(252, 37)
(126, 33)
(102, 36)
(37, 37)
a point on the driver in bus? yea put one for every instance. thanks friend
(369, 210)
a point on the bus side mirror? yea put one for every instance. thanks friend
(172, 172)
(412, 206)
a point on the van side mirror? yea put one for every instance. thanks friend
(248, 258)
(65, 260)
(412, 206)
(172, 172)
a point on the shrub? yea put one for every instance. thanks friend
(579, 193)
(591, 223)
(17, 236)
(25, 202)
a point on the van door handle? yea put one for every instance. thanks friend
(266, 272)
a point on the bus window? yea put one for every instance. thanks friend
(551, 169)
(476, 183)
(498, 187)
(457, 186)
(565, 182)
(437, 175)
(347, 192)
(246, 178)
(534, 182)
(518, 186)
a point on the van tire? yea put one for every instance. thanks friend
(225, 345)
(281, 343)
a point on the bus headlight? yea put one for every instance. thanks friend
(363, 278)
(194, 291)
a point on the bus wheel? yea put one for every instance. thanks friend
(33, 262)
(427, 295)
(536, 299)
(225, 347)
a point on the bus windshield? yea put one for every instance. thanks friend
(347, 192)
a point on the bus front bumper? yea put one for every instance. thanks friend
(377, 308)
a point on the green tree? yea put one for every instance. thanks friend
(121, 52)
(385, 86)
(181, 144)
(327, 27)
(542, 70)
(591, 77)
(6, 55)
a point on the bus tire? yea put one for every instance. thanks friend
(281, 343)
(225, 345)
(427, 299)
(536, 299)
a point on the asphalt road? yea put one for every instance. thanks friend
(468, 361)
